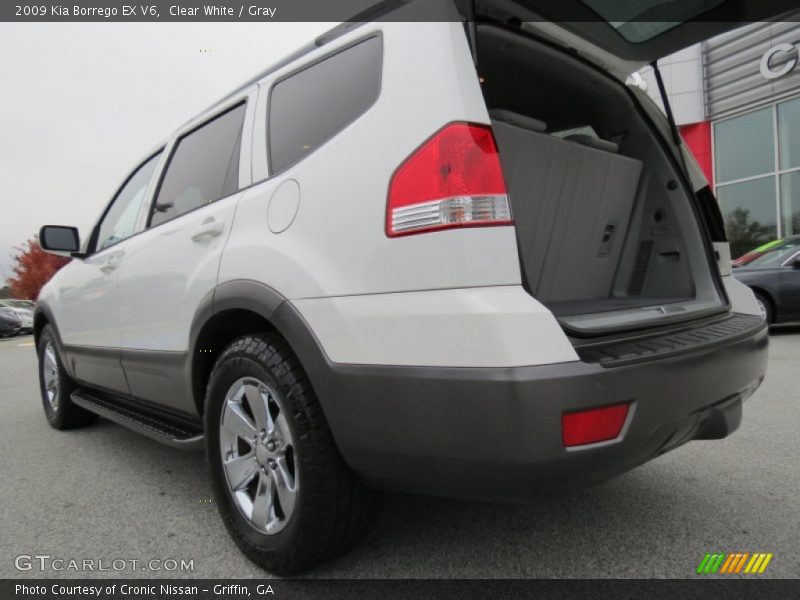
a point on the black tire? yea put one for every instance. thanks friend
(766, 303)
(332, 507)
(60, 411)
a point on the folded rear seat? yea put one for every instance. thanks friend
(571, 201)
(534, 165)
(593, 142)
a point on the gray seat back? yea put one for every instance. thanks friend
(571, 205)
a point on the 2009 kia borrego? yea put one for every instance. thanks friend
(378, 266)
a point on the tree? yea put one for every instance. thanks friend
(33, 267)
(744, 234)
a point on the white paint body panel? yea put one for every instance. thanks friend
(359, 290)
(723, 250)
(474, 327)
(87, 300)
(165, 274)
(741, 296)
(336, 244)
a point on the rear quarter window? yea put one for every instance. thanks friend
(309, 107)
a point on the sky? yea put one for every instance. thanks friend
(82, 103)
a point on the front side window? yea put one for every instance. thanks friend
(119, 222)
(311, 106)
(204, 167)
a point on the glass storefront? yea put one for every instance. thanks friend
(757, 173)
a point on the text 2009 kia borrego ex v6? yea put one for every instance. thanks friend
(376, 266)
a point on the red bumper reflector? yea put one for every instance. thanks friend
(592, 426)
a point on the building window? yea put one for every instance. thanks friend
(749, 210)
(757, 172)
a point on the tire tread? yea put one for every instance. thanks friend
(337, 506)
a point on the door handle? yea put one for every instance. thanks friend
(210, 228)
(110, 266)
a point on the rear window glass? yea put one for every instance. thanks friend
(642, 20)
(313, 105)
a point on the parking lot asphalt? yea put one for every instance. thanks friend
(105, 493)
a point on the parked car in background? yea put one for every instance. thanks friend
(24, 310)
(10, 323)
(774, 276)
(15, 303)
(750, 256)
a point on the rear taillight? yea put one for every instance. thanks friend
(452, 180)
(594, 425)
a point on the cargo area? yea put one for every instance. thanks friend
(607, 234)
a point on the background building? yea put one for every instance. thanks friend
(736, 99)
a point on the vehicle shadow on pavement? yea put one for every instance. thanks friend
(416, 536)
(413, 536)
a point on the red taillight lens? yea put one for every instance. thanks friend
(453, 180)
(592, 426)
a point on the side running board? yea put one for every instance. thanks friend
(166, 433)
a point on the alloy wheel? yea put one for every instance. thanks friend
(50, 377)
(762, 308)
(258, 455)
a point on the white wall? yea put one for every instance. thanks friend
(683, 77)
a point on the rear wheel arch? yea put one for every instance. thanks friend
(215, 334)
(245, 307)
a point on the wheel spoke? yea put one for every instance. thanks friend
(261, 475)
(241, 470)
(262, 501)
(49, 370)
(257, 400)
(285, 487)
(282, 432)
(237, 422)
(50, 357)
(49, 381)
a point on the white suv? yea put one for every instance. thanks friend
(376, 266)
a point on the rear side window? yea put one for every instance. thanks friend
(313, 105)
(204, 167)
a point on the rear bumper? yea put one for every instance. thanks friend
(496, 432)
